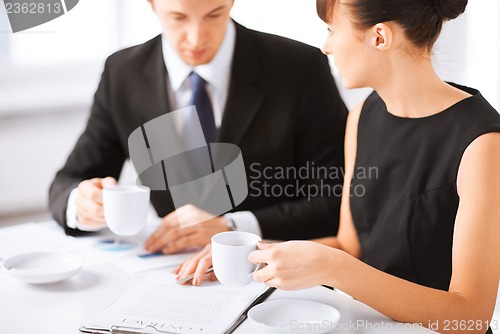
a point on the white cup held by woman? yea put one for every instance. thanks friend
(230, 252)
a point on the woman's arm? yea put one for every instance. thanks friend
(468, 305)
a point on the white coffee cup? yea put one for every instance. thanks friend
(125, 208)
(230, 252)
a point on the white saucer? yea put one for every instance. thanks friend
(293, 316)
(42, 267)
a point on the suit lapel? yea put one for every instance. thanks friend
(244, 99)
(155, 85)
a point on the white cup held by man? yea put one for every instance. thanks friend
(126, 208)
(230, 252)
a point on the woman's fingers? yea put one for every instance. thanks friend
(178, 268)
(263, 275)
(203, 264)
(263, 255)
(195, 264)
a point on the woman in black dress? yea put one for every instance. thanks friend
(419, 238)
(420, 216)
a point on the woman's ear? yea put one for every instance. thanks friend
(380, 36)
(151, 3)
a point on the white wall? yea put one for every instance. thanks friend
(483, 49)
(296, 19)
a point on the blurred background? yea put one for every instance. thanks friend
(48, 76)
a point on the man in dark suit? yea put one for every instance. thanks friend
(273, 97)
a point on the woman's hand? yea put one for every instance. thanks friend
(292, 265)
(197, 264)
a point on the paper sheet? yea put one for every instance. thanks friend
(143, 262)
(159, 302)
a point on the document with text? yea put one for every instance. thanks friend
(159, 305)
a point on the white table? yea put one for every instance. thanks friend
(63, 307)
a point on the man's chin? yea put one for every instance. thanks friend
(196, 61)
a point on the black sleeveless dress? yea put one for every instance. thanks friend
(404, 196)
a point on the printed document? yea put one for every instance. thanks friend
(159, 305)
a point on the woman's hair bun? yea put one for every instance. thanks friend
(449, 9)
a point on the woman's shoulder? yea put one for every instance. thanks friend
(472, 117)
(475, 106)
(354, 113)
(372, 100)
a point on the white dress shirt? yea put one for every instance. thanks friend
(217, 74)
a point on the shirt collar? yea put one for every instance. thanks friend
(216, 72)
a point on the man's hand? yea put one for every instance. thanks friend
(199, 228)
(89, 210)
(171, 237)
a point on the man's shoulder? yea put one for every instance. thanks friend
(137, 53)
(278, 46)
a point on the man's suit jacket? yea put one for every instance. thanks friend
(283, 111)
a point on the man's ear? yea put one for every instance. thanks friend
(380, 36)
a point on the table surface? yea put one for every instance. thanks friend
(64, 306)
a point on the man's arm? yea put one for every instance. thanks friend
(97, 153)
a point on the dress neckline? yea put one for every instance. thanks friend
(473, 92)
